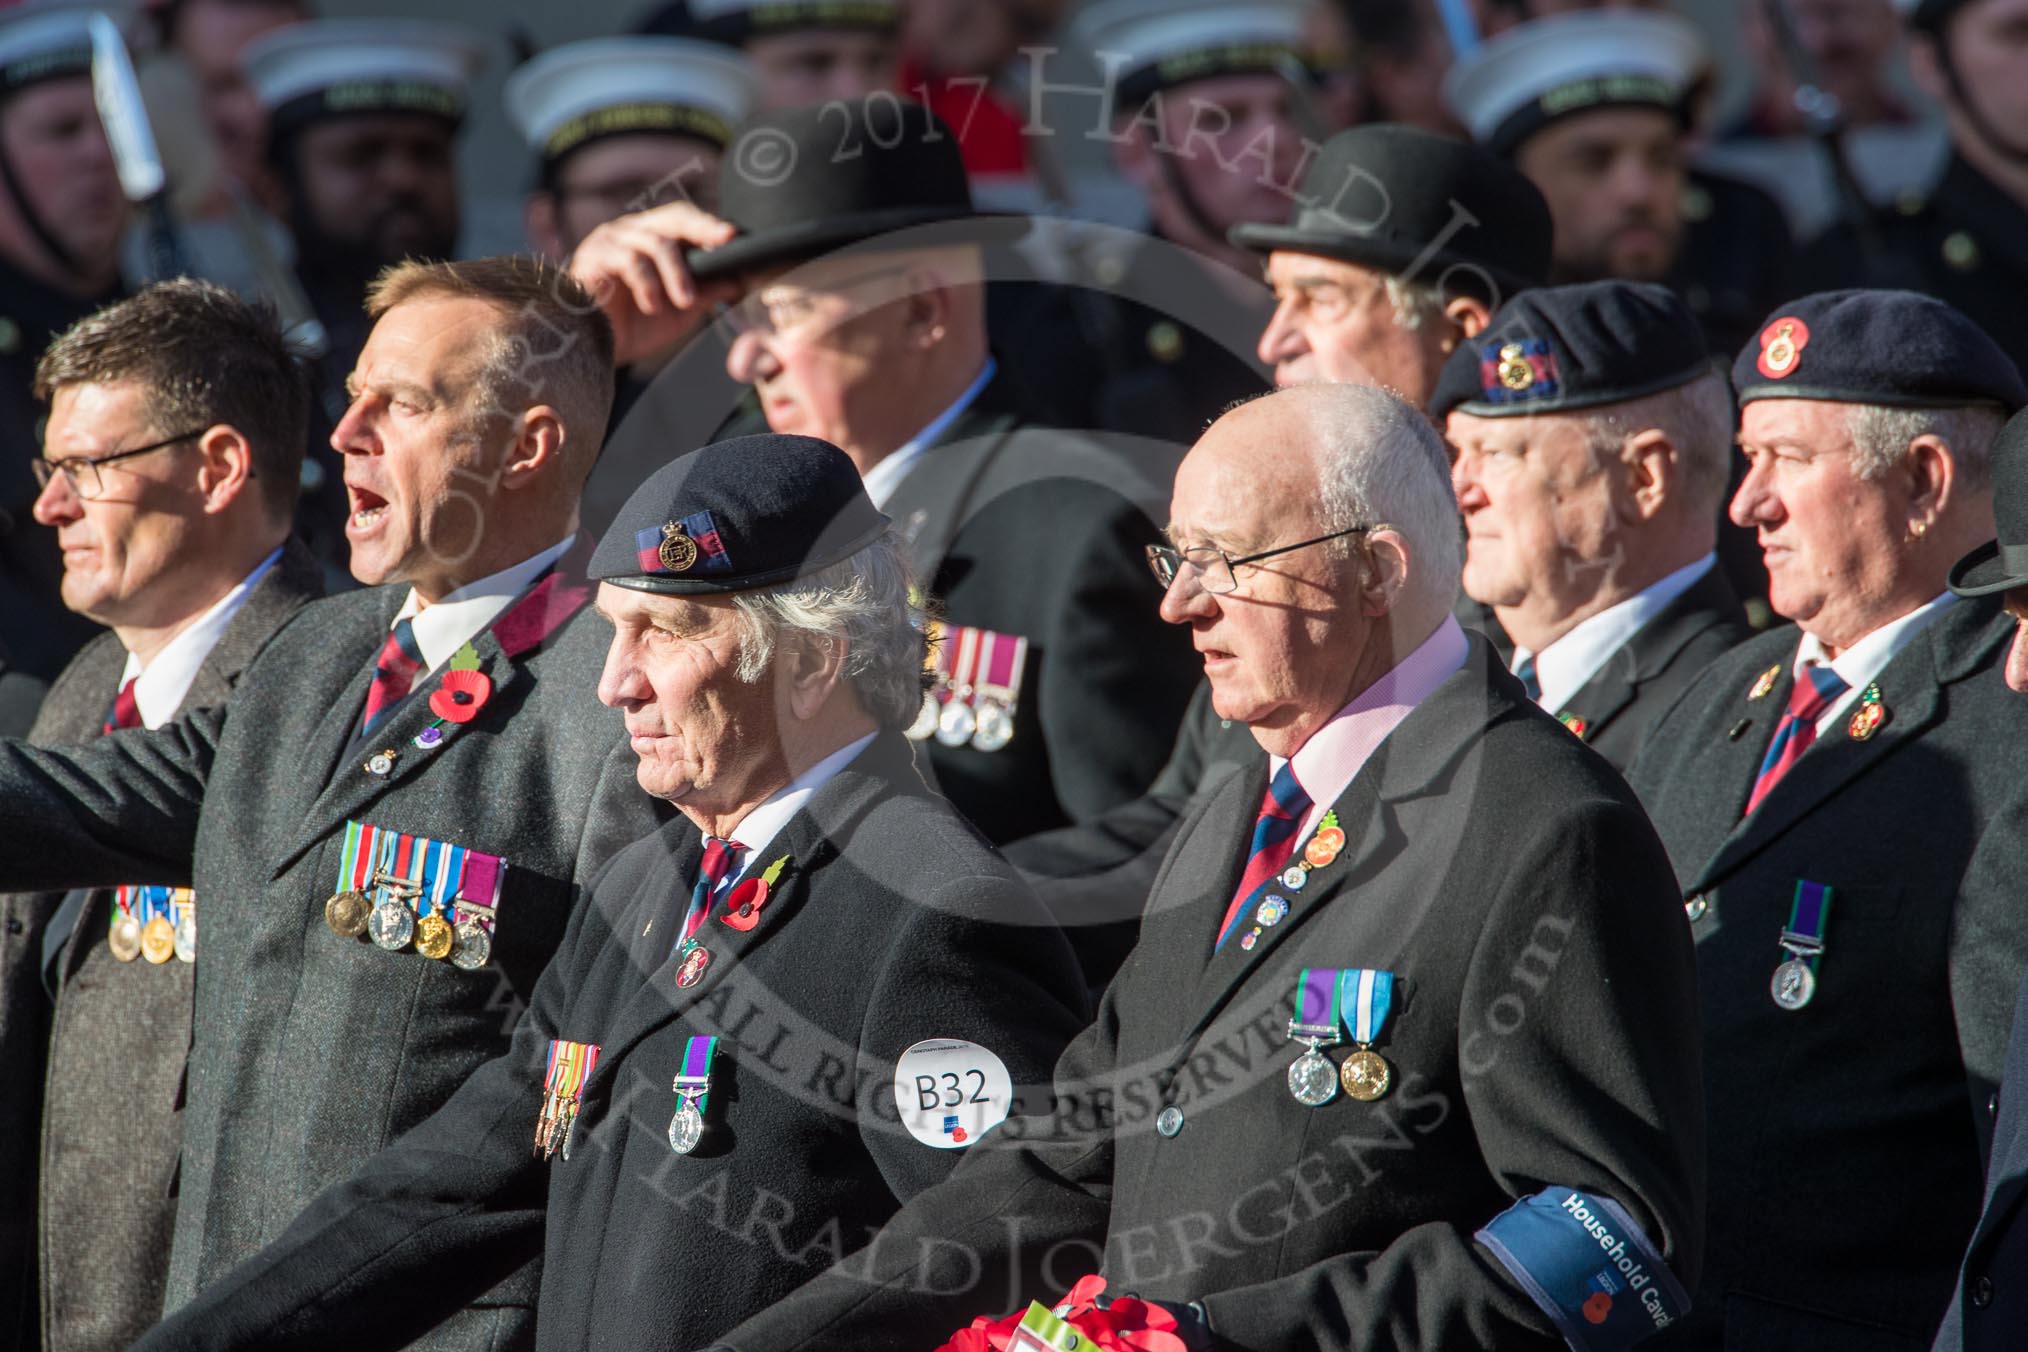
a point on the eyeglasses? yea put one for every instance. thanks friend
(1213, 567)
(82, 471)
(752, 314)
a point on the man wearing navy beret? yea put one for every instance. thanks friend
(1827, 793)
(772, 1022)
(1593, 435)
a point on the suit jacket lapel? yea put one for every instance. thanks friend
(286, 588)
(1707, 602)
(1911, 688)
(1203, 871)
(930, 503)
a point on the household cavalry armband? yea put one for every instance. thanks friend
(1588, 1267)
(975, 687)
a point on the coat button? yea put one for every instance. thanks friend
(1982, 1292)
(1696, 907)
(1993, 1104)
(1170, 1121)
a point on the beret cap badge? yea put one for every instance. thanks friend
(1781, 343)
(678, 552)
(1514, 371)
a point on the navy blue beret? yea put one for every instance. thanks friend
(1558, 349)
(1895, 348)
(739, 514)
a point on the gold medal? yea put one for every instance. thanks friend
(125, 938)
(677, 551)
(346, 913)
(1365, 1075)
(434, 937)
(158, 940)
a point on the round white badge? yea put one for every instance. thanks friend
(951, 1093)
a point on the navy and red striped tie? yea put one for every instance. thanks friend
(393, 674)
(1817, 691)
(1274, 840)
(126, 710)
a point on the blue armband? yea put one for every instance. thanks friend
(1588, 1266)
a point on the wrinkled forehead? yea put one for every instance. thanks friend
(1815, 425)
(623, 605)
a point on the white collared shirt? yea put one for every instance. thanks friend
(758, 828)
(159, 686)
(1562, 668)
(886, 476)
(445, 626)
(1859, 665)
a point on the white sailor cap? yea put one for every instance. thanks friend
(1172, 42)
(735, 22)
(1550, 68)
(582, 91)
(49, 39)
(339, 67)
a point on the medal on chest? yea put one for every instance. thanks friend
(570, 1064)
(400, 890)
(1795, 980)
(1356, 1000)
(693, 1094)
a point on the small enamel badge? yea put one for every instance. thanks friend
(1781, 345)
(1576, 724)
(381, 764)
(1766, 682)
(1869, 717)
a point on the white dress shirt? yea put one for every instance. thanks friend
(886, 476)
(1562, 668)
(1859, 665)
(161, 684)
(443, 627)
(759, 827)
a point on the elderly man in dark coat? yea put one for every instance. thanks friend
(775, 1020)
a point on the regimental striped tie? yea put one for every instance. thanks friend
(1817, 691)
(718, 857)
(1274, 840)
(126, 710)
(1525, 673)
(393, 674)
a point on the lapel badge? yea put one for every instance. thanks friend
(381, 764)
(1249, 939)
(1270, 912)
(1324, 845)
(691, 970)
(1576, 724)
(1766, 682)
(1869, 717)
(429, 737)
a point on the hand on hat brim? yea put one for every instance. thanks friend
(633, 266)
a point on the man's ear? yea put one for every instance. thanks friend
(928, 307)
(809, 670)
(1654, 475)
(1385, 578)
(1468, 314)
(225, 468)
(1932, 471)
(537, 449)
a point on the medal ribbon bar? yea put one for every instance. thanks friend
(1808, 915)
(1317, 1006)
(693, 1084)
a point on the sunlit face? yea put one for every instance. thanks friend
(1281, 650)
(701, 735)
(1333, 321)
(1234, 143)
(1538, 506)
(1833, 542)
(619, 174)
(821, 351)
(1613, 179)
(819, 65)
(382, 186)
(57, 148)
(120, 546)
(417, 476)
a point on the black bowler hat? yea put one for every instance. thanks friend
(1558, 349)
(1899, 349)
(1422, 206)
(2002, 564)
(804, 181)
(739, 514)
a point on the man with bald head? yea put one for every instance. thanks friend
(1387, 1158)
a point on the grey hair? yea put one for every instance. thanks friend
(1698, 420)
(1380, 461)
(863, 602)
(1880, 438)
(1414, 304)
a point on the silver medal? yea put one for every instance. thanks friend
(186, 935)
(686, 1129)
(996, 726)
(925, 718)
(1793, 985)
(957, 722)
(471, 946)
(392, 925)
(1313, 1080)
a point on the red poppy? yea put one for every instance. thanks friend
(461, 695)
(1126, 1325)
(743, 907)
